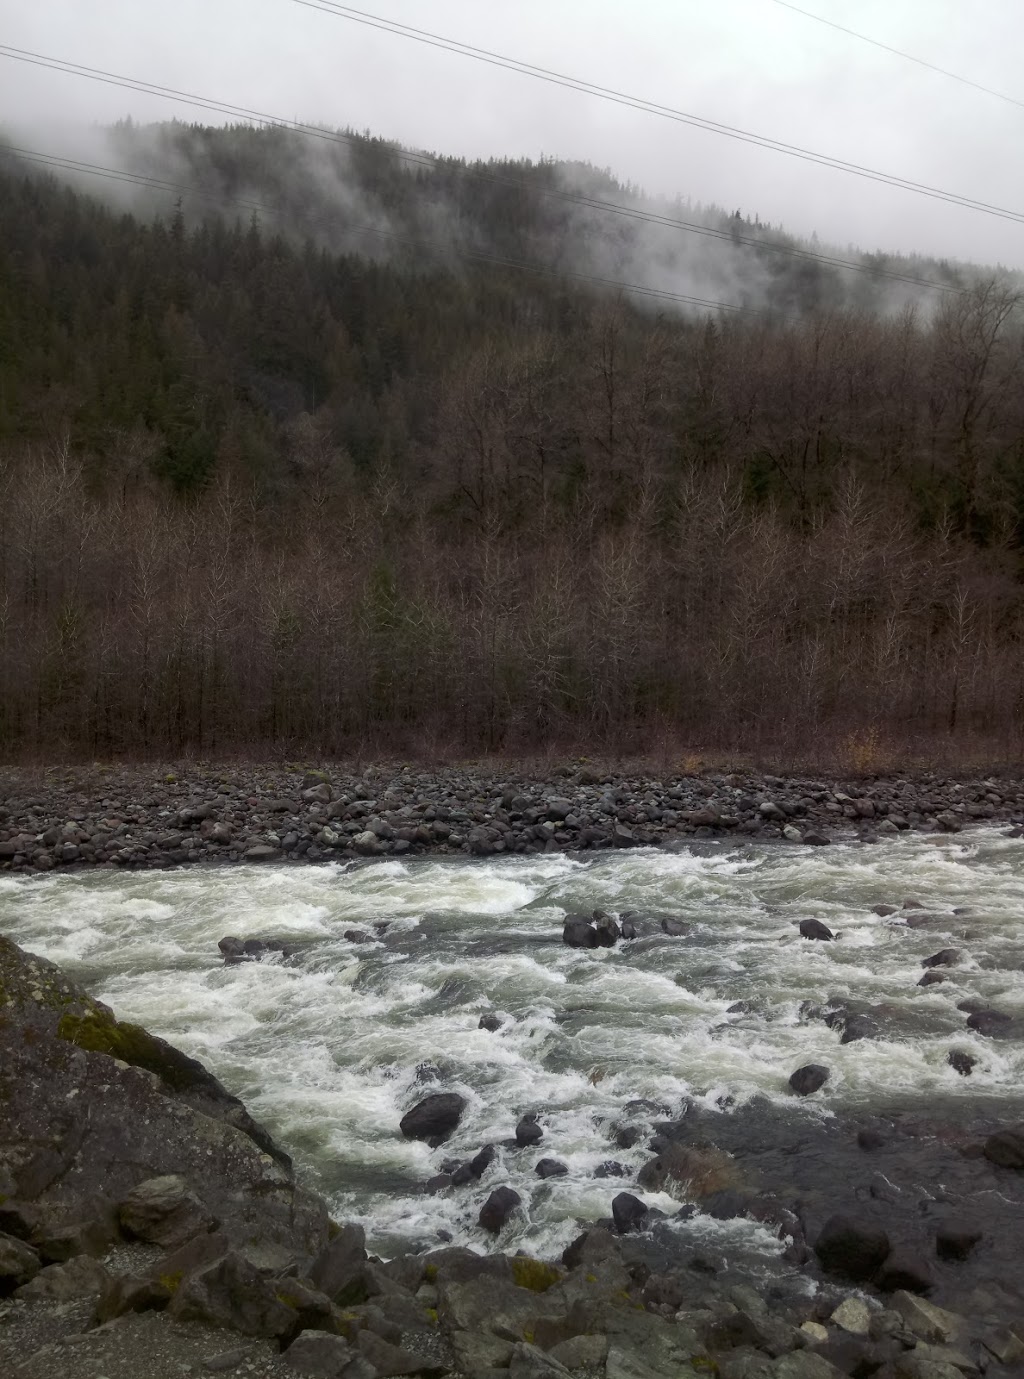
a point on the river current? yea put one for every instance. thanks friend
(324, 1046)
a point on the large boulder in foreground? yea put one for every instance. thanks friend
(94, 1107)
(434, 1118)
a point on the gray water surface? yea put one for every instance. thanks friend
(324, 1046)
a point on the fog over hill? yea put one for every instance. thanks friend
(350, 192)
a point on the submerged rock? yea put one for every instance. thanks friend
(852, 1249)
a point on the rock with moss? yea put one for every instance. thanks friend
(91, 1107)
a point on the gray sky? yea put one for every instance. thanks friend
(748, 63)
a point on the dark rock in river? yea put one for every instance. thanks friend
(628, 1213)
(491, 1023)
(498, 1208)
(954, 1240)
(851, 1249)
(481, 1161)
(611, 1168)
(675, 928)
(994, 1024)
(961, 1062)
(627, 926)
(946, 957)
(551, 1168)
(933, 978)
(578, 932)
(608, 932)
(1006, 1147)
(528, 1131)
(433, 1118)
(905, 1270)
(809, 1078)
(858, 1027)
(813, 928)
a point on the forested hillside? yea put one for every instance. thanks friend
(265, 483)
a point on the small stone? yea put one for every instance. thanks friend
(853, 1315)
(817, 1333)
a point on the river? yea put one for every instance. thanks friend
(324, 1045)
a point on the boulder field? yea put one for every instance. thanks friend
(148, 816)
(149, 1228)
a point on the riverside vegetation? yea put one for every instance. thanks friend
(265, 485)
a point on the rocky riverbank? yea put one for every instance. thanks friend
(150, 816)
(149, 1228)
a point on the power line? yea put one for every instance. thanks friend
(898, 52)
(494, 59)
(50, 160)
(424, 160)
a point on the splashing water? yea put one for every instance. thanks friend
(324, 1046)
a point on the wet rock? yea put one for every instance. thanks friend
(231, 946)
(357, 936)
(551, 1168)
(809, 1078)
(933, 978)
(433, 1118)
(963, 1063)
(627, 927)
(628, 1213)
(814, 839)
(905, 1270)
(814, 929)
(164, 1211)
(858, 1027)
(491, 1023)
(994, 1024)
(608, 932)
(1006, 1147)
(496, 1211)
(482, 1160)
(851, 1249)
(870, 1139)
(675, 928)
(954, 1240)
(528, 1131)
(883, 911)
(578, 932)
(946, 957)
(611, 1168)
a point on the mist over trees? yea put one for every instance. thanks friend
(266, 484)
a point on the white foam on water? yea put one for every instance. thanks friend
(324, 1046)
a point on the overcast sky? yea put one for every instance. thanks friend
(748, 63)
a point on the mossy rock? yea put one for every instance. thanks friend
(99, 1032)
(534, 1274)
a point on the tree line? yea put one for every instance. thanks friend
(256, 494)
